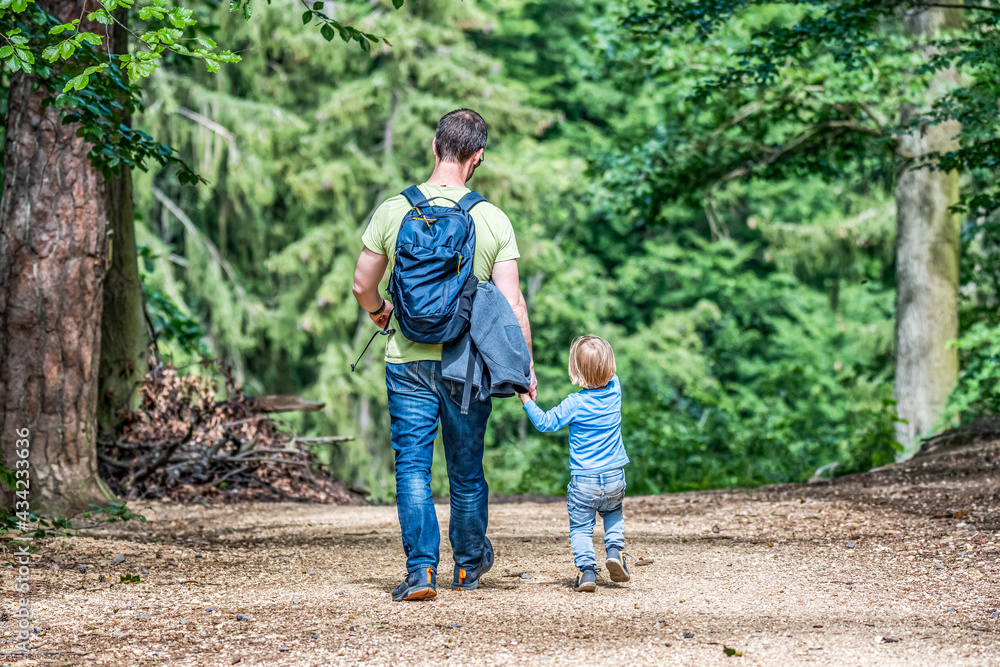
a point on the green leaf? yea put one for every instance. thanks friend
(318, 5)
(6, 51)
(397, 3)
(327, 32)
(76, 83)
(180, 17)
(247, 11)
(306, 17)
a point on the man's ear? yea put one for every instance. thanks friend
(434, 147)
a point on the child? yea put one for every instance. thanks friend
(596, 457)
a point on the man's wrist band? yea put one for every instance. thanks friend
(380, 309)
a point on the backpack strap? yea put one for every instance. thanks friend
(414, 195)
(468, 201)
(470, 374)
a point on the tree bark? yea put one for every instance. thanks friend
(53, 223)
(927, 255)
(124, 338)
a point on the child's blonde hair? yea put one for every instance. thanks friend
(591, 362)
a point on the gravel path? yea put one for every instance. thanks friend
(855, 573)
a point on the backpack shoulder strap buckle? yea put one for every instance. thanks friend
(414, 195)
(468, 201)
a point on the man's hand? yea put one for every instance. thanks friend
(382, 319)
(533, 387)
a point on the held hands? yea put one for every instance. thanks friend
(382, 319)
(532, 388)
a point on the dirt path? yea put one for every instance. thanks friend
(855, 573)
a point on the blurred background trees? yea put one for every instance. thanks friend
(712, 188)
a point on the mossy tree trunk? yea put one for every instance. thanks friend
(927, 255)
(124, 338)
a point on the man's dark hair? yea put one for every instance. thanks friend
(459, 135)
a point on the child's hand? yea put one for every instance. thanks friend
(524, 398)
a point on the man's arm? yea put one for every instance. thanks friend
(368, 274)
(506, 278)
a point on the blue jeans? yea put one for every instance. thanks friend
(418, 398)
(586, 496)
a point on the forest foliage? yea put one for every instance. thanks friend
(735, 243)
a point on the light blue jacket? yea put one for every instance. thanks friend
(594, 417)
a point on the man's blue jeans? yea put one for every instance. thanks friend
(418, 398)
(586, 496)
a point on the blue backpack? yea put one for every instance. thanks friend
(432, 284)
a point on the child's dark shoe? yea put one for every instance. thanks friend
(586, 579)
(418, 585)
(617, 567)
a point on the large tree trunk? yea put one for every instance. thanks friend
(124, 338)
(927, 254)
(53, 245)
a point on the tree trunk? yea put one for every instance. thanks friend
(124, 339)
(53, 222)
(927, 254)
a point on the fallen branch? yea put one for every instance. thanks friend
(164, 456)
(283, 403)
(323, 440)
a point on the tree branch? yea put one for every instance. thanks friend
(795, 143)
(193, 231)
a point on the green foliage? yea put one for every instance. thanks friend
(37, 526)
(129, 578)
(977, 391)
(88, 88)
(170, 323)
(40, 526)
(737, 376)
(113, 511)
(851, 37)
(95, 88)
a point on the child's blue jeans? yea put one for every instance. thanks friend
(586, 496)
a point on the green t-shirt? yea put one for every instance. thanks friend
(495, 242)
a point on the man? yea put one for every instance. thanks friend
(418, 396)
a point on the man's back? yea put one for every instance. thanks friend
(495, 242)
